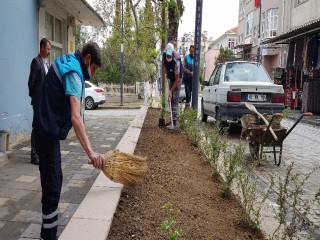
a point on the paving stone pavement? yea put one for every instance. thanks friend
(301, 148)
(20, 191)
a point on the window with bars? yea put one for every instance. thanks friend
(240, 41)
(263, 26)
(255, 35)
(249, 24)
(272, 22)
(53, 27)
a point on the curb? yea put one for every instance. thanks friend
(93, 218)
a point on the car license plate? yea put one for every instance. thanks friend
(257, 97)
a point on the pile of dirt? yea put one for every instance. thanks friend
(181, 175)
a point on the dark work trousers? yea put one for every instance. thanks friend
(175, 102)
(51, 183)
(188, 89)
(34, 154)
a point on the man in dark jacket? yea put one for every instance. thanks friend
(172, 66)
(59, 110)
(38, 70)
(188, 74)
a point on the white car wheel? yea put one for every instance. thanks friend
(89, 103)
(204, 117)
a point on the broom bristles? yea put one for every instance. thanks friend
(128, 169)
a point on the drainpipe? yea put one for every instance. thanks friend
(259, 34)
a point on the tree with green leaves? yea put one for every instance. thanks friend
(141, 34)
(225, 55)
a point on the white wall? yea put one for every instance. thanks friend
(223, 41)
(304, 13)
(71, 40)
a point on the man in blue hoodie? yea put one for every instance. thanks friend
(188, 74)
(59, 110)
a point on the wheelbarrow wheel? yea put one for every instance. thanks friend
(254, 150)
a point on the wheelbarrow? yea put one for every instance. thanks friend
(261, 141)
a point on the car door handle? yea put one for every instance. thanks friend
(209, 90)
(215, 90)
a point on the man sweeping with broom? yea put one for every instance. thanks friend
(59, 110)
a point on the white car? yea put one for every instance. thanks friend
(182, 94)
(94, 96)
(234, 83)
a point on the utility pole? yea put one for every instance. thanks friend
(121, 73)
(197, 51)
(163, 45)
(259, 34)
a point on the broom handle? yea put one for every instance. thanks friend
(169, 100)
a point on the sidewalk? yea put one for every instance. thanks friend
(87, 197)
(295, 114)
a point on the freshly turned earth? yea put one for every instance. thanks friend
(179, 174)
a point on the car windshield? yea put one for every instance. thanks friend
(245, 72)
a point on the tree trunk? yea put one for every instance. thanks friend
(175, 12)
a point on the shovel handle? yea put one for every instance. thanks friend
(252, 108)
(267, 123)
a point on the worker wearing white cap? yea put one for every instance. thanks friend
(172, 66)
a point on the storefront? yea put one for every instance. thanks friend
(302, 70)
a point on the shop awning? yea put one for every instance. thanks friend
(83, 12)
(308, 28)
(248, 45)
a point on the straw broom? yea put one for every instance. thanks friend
(128, 169)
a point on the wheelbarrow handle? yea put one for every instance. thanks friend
(308, 114)
(278, 115)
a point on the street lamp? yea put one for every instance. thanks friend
(197, 51)
(121, 71)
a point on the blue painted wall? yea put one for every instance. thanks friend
(18, 45)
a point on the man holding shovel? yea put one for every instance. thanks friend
(172, 66)
(59, 110)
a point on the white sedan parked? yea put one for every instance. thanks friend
(94, 96)
(234, 83)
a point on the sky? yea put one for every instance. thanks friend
(218, 16)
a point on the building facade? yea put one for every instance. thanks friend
(258, 21)
(226, 40)
(184, 42)
(301, 37)
(23, 24)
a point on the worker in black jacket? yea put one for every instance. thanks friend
(172, 66)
